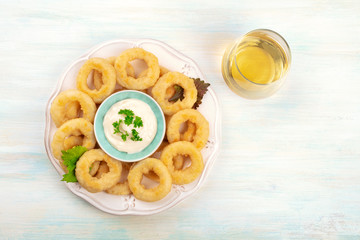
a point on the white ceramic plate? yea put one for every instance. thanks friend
(174, 61)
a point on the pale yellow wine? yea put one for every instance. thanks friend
(257, 59)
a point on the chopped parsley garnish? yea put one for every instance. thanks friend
(135, 136)
(117, 126)
(138, 122)
(129, 119)
(127, 112)
(124, 135)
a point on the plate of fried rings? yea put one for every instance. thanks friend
(176, 169)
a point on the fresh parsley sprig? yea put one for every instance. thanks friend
(129, 119)
(124, 136)
(117, 126)
(70, 158)
(127, 112)
(135, 136)
(138, 122)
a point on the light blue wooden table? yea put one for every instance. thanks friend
(289, 167)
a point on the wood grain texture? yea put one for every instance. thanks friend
(289, 165)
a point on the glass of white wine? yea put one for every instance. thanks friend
(256, 65)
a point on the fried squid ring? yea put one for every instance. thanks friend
(93, 184)
(178, 161)
(143, 167)
(108, 77)
(72, 141)
(156, 155)
(66, 102)
(202, 127)
(73, 110)
(121, 188)
(98, 76)
(169, 80)
(73, 127)
(140, 83)
(188, 135)
(103, 168)
(162, 72)
(189, 174)
(94, 168)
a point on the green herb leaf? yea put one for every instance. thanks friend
(128, 120)
(124, 135)
(179, 94)
(70, 158)
(127, 112)
(202, 88)
(138, 122)
(116, 126)
(135, 136)
(69, 177)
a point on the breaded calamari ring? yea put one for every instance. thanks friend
(61, 103)
(143, 167)
(72, 141)
(169, 92)
(162, 72)
(121, 188)
(73, 110)
(156, 155)
(94, 184)
(202, 127)
(94, 168)
(168, 80)
(140, 83)
(98, 76)
(72, 128)
(178, 162)
(103, 168)
(108, 77)
(189, 174)
(188, 135)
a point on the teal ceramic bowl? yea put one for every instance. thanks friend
(99, 129)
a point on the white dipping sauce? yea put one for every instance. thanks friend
(147, 132)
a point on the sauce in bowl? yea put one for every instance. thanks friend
(121, 130)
